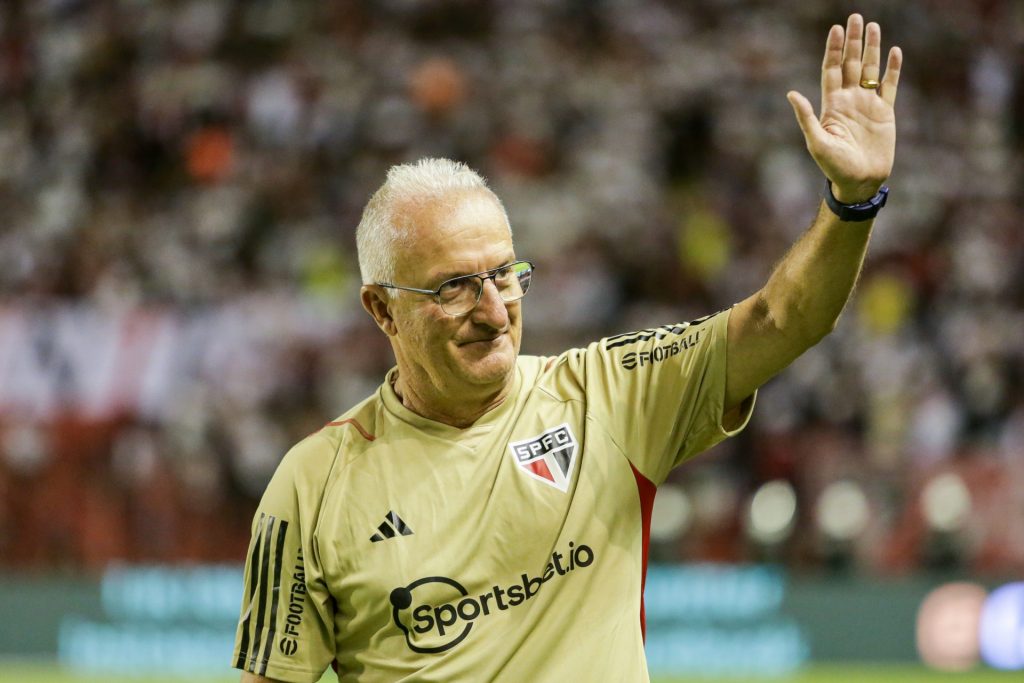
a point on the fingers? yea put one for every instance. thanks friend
(872, 54)
(852, 50)
(892, 76)
(809, 123)
(854, 55)
(832, 66)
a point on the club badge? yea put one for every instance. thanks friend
(548, 457)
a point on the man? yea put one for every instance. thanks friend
(483, 516)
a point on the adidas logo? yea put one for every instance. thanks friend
(392, 523)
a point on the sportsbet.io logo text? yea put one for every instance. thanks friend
(437, 613)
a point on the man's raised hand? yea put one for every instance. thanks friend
(854, 141)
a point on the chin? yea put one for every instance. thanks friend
(492, 369)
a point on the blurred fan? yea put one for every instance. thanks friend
(1002, 627)
(947, 626)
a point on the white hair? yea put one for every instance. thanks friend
(385, 219)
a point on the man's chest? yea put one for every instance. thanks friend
(426, 541)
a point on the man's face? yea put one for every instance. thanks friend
(466, 233)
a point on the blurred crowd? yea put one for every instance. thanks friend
(180, 183)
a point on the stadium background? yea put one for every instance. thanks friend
(179, 188)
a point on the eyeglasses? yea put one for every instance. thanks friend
(460, 295)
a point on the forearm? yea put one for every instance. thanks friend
(799, 304)
(812, 283)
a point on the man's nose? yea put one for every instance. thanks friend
(491, 309)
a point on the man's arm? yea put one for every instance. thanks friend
(854, 145)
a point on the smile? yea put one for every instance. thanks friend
(488, 340)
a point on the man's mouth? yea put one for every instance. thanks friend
(484, 340)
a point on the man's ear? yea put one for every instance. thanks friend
(377, 303)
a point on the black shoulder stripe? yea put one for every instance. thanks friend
(698, 321)
(628, 338)
(660, 333)
(262, 614)
(629, 334)
(278, 561)
(243, 648)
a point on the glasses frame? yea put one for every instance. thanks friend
(483, 276)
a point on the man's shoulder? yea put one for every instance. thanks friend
(534, 370)
(555, 376)
(357, 426)
(343, 437)
(571, 373)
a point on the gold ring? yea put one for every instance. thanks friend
(869, 83)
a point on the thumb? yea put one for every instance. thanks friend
(809, 123)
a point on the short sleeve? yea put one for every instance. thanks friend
(285, 630)
(660, 393)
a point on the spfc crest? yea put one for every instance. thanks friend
(549, 456)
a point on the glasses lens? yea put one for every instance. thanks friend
(514, 281)
(459, 295)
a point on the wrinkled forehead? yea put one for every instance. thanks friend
(461, 232)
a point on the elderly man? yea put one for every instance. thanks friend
(484, 515)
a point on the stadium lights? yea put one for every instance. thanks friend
(672, 515)
(772, 513)
(946, 503)
(842, 512)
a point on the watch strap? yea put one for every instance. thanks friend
(852, 213)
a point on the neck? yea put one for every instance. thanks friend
(433, 406)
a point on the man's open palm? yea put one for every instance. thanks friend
(854, 141)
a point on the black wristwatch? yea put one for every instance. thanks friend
(853, 213)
